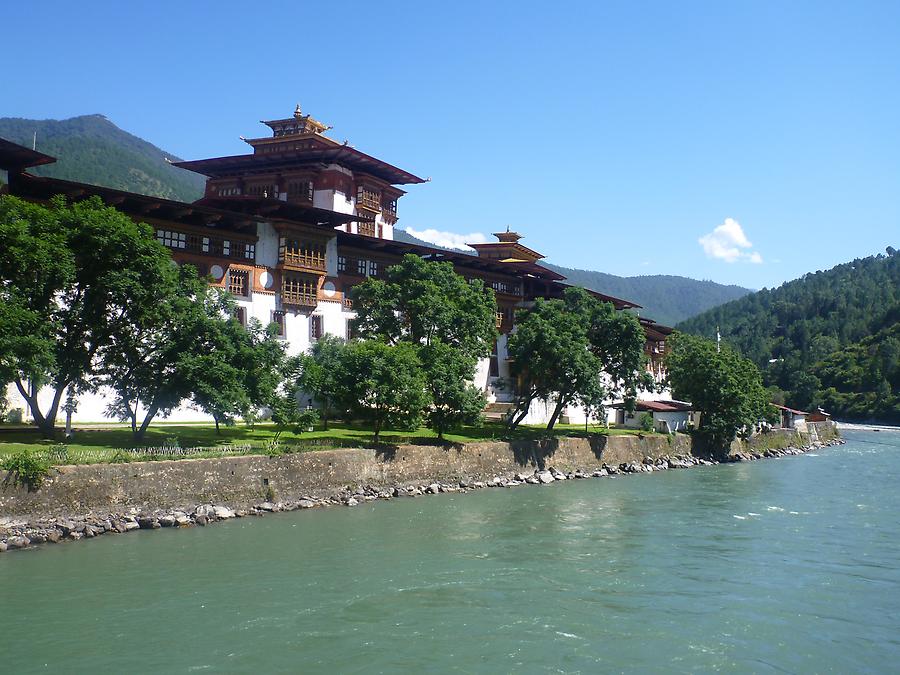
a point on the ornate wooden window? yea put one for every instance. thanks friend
(299, 289)
(389, 207)
(172, 239)
(262, 190)
(373, 268)
(366, 229)
(292, 251)
(300, 190)
(361, 267)
(342, 263)
(368, 198)
(198, 243)
(239, 282)
(240, 313)
(507, 287)
(315, 327)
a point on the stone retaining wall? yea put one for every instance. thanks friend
(241, 481)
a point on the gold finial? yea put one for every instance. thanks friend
(298, 113)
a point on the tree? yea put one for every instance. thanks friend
(455, 401)
(725, 387)
(240, 371)
(71, 276)
(286, 414)
(382, 384)
(423, 301)
(449, 321)
(318, 372)
(577, 350)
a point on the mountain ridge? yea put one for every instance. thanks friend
(665, 298)
(92, 149)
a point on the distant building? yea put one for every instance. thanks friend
(289, 228)
(668, 416)
(792, 419)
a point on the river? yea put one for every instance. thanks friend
(783, 565)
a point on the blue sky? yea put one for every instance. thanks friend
(744, 142)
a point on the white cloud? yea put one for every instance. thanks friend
(729, 243)
(448, 239)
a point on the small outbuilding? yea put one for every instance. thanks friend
(668, 416)
(790, 418)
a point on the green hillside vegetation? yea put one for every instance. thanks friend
(829, 339)
(663, 298)
(91, 149)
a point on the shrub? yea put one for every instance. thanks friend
(28, 469)
(646, 422)
(14, 416)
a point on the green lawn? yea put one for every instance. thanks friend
(115, 443)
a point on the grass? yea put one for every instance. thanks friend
(162, 441)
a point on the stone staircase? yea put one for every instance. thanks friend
(497, 411)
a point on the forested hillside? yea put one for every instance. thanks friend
(665, 299)
(828, 339)
(91, 149)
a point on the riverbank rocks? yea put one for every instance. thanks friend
(223, 512)
(19, 534)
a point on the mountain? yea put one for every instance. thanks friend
(829, 339)
(91, 149)
(663, 298)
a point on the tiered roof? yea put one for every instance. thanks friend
(298, 141)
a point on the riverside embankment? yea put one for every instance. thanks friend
(84, 501)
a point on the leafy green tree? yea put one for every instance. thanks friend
(240, 372)
(318, 372)
(72, 275)
(455, 401)
(577, 350)
(287, 414)
(724, 386)
(450, 323)
(422, 301)
(381, 384)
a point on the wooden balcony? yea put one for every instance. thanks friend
(299, 299)
(303, 261)
(369, 200)
(367, 229)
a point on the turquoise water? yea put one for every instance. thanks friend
(787, 565)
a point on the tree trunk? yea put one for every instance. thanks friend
(216, 420)
(142, 430)
(560, 404)
(521, 411)
(46, 423)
